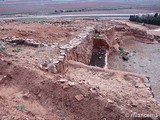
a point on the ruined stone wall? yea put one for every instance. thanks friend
(78, 49)
(127, 31)
(82, 53)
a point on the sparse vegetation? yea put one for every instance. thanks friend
(124, 54)
(17, 50)
(122, 50)
(21, 107)
(97, 35)
(2, 48)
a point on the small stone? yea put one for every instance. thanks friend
(25, 97)
(50, 60)
(100, 57)
(5, 38)
(42, 67)
(53, 46)
(148, 88)
(110, 101)
(133, 104)
(125, 57)
(93, 90)
(62, 47)
(45, 45)
(139, 85)
(60, 60)
(60, 57)
(2, 79)
(35, 44)
(147, 85)
(53, 69)
(65, 87)
(62, 80)
(70, 83)
(55, 62)
(63, 53)
(39, 95)
(79, 97)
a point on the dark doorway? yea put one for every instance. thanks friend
(99, 51)
(98, 57)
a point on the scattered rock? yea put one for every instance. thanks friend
(43, 67)
(70, 83)
(2, 79)
(45, 45)
(65, 86)
(62, 80)
(53, 69)
(110, 101)
(139, 85)
(60, 57)
(79, 97)
(133, 104)
(55, 61)
(125, 57)
(93, 90)
(63, 53)
(25, 96)
(147, 85)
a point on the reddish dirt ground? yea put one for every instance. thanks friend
(82, 92)
(45, 32)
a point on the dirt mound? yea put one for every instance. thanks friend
(53, 99)
(24, 92)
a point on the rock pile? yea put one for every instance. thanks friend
(24, 41)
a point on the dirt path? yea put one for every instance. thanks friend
(154, 32)
(151, 29)
(132, 24)
(144, 60)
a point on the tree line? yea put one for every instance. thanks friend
(149, 19)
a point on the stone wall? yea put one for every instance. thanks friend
(78, 49)
(82, 52)
(127, 31)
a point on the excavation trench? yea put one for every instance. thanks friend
(99, 53)
(103, 52)
(92, 51)
(86, 48)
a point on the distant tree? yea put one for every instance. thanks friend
(149, 19)
(156, 15)
(132, 18)
(61, 10)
